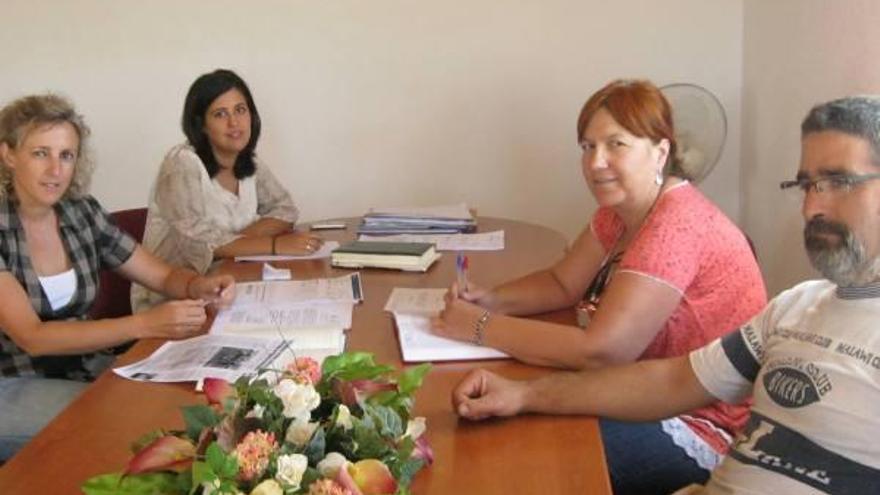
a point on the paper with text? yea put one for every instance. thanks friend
(415, 301)
(417, 343)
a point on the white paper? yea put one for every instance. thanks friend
(483, 241)
(346, 288)
(415, 301)
(417, 343)
(282, 317)
(272, 273)
(324, 252)
(208, 356)
(455, 211)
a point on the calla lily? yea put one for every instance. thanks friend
(372, 477)
(423, 451)
(168, 453)
(218, 390)
(343, 477)
(354, 391)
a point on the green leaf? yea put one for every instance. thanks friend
(197, 418)
(369, 444)
(411, 378)
(224, 465)
(387, 421)
(141, 484)
(202, 473)
(352, 366)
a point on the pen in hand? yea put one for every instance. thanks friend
(461, 267)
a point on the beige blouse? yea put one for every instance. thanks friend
(190, 214)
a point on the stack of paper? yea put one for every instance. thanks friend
(268, 325)
(446, 219)
(484, 241)
(413, 309)
(416, 257)
(311, 315)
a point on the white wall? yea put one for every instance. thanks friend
(379, 102)
(797, 53)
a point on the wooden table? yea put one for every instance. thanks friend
(523, 455)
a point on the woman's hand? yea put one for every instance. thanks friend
(297, 243)
(472, 293)
(175, 319)
(218, 290)
(458, 319)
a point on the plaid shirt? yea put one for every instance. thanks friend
(93, 242)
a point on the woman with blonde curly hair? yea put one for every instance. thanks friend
(54, 240)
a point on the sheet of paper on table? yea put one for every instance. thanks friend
(215, 356)
(413, 309)
(346, 288)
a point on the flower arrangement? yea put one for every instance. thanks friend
(340, 429)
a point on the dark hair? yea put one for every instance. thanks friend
(857, 116)
(201, 94)
(640, 107)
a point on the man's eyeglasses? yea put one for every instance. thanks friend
(831, 183)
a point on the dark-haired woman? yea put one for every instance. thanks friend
(213, 198)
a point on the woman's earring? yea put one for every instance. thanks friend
(658, 179)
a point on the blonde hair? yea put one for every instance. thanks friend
(23, 115)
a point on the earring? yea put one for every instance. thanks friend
(658, 179)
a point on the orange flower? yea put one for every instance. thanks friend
(253, 454)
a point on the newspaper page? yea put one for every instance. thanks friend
(208, 356)
(345, 288)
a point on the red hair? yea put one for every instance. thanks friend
(640, 108)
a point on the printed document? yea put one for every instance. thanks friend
(208, 356)
(415, 301)
(345, 288)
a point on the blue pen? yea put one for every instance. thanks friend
(461, 267)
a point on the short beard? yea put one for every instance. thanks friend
(845, 262)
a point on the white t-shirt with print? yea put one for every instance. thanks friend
(811, 360)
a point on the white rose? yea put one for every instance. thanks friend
(415, 427)
(299, 400)
(300, 432)
(290, 469)
(268, 487)
(343, 417)
(331, 464)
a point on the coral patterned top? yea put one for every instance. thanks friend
(687, 243)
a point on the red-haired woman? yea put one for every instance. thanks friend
(664, 272)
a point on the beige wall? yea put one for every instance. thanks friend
(378, 102)
(797, 53)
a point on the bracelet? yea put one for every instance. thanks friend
(189, 282)
(274, 238)
(479, 326)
